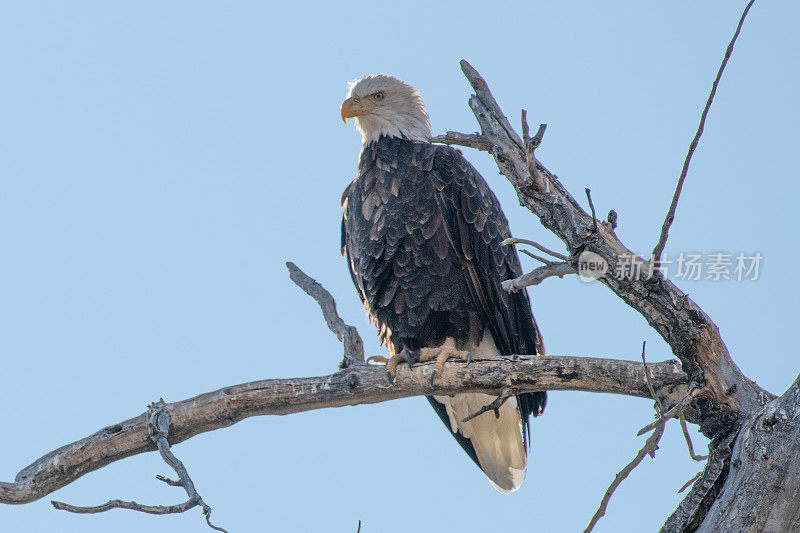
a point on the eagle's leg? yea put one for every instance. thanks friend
(442, 354)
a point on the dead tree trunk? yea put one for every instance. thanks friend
(757, 469)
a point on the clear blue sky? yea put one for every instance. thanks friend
(159, 162)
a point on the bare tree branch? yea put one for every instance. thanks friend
(689, 483)
(662, 241)
(352, 386)
(158, 426)
(591, 206)
(513, 240)
(649, 448)
(691, 334)
(123, 504)
(676, 409)
(689, 445)
(538, 275)
(462, 139)
(537, 257)
(348, 335)
(495, 406)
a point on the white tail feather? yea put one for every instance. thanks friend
(497, 441)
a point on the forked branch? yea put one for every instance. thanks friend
(158, 426)
(690, 333)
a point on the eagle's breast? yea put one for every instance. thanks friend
(409, 279)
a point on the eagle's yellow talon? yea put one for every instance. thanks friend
(392, 362)
(441, 355)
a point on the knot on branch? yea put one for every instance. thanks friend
(158, 419)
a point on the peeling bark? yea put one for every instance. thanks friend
(355, 385)
(762, 489)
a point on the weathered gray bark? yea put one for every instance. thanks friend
(762, 489)
(355, 385)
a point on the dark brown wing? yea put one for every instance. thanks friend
(476, 227)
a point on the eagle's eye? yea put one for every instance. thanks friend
(378, 95)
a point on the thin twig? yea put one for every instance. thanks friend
(530, 158)
(688, 483)
(348, 335)
(121, 504)
(498, 402)
(536, 140)
(669, 414)
(158, 425)
(591, 206)
(649, 448)
(689, 443)
(659, 407)
(168, 481)
(537, 257)
(359, 527)
(538, 275)
(526, 130)
(662, 241)
(536, 245)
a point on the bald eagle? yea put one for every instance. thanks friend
(422, 235)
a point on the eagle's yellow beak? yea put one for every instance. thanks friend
(350, 109)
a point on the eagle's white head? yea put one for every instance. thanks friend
(384, 105)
